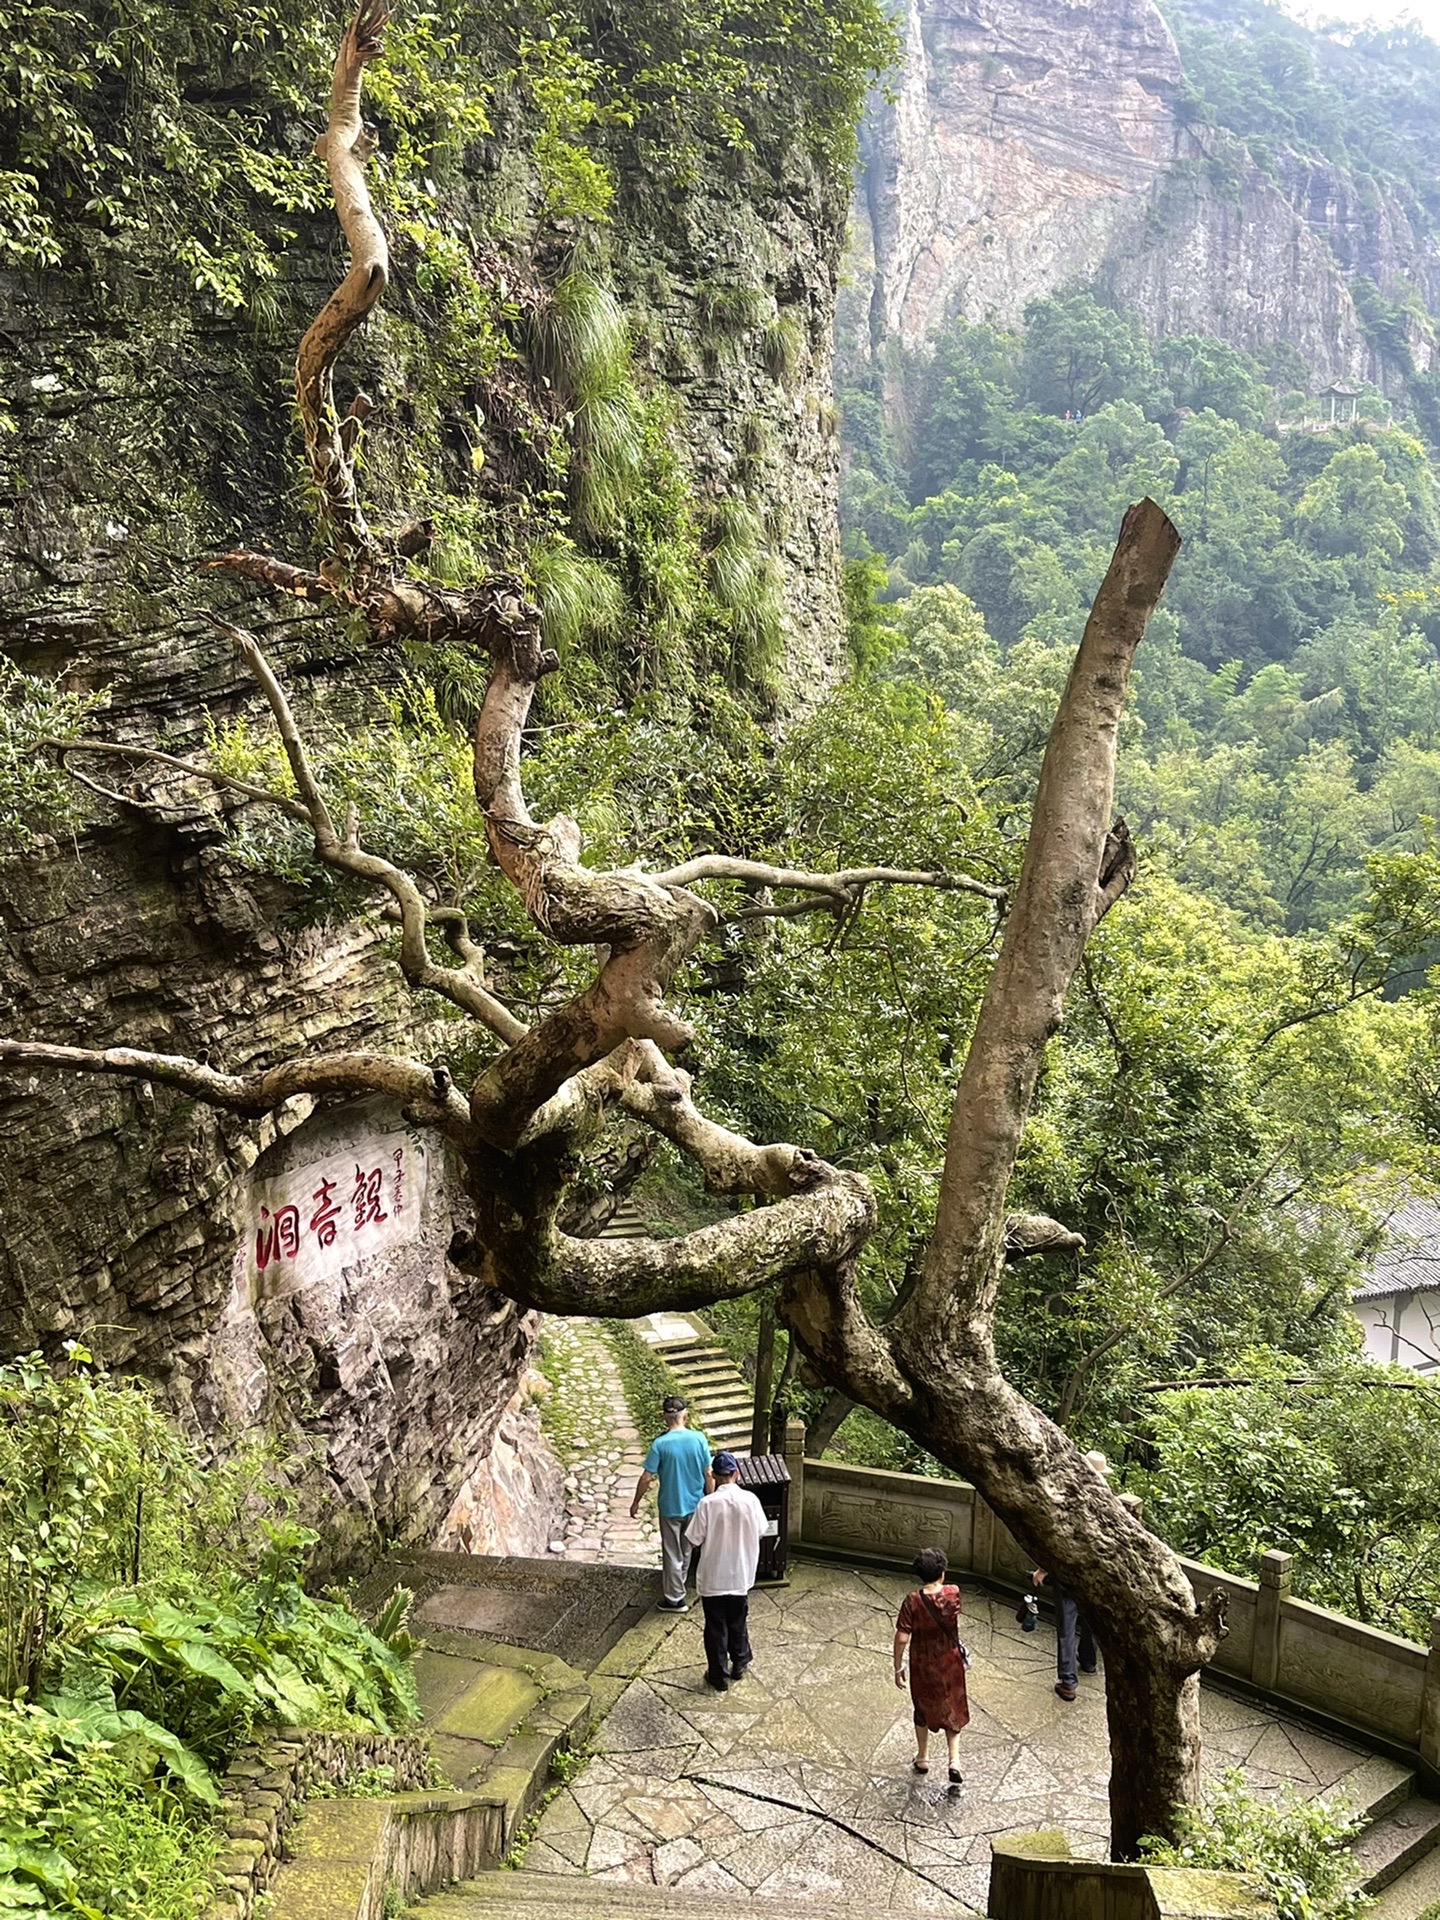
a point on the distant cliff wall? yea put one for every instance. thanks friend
(1033, 144)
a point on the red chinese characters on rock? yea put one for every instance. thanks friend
(283, 1228)
(322, 1221)
(366, 1198)
(277, 1237)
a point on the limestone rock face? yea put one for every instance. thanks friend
(149, 429)
(1034, 144)
(1021, 132)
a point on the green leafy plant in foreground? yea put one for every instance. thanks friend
(154, 1613)
(81, 1834)
(1298, 1849)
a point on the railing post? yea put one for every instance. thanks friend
(982, 1535)
(1276, 1569)
(1430, 1702)
(795, 1462)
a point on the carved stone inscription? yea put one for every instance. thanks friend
(316, 1218)
(887, 1526)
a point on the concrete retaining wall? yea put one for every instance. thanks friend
(1385, 1689)
(1033, 1877)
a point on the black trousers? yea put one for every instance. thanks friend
(727, 1632)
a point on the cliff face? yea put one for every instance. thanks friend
(147, 429)
(1033, 144)
(1020, 135)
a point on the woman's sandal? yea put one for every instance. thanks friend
(919, 1766)
(956, 1776)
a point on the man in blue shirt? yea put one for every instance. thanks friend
(680, 1460)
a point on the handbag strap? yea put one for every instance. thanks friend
(950, 1628)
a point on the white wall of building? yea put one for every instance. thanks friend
(1403, 1329)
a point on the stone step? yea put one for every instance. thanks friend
(539, 1896)
(1415, 1891)
(1397, 1840)
(473, 1699)
(1377, 1786)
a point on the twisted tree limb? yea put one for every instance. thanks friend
(343, 852)
(843, 887)
(427, 1094)
(345, 146)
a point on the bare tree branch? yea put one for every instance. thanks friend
(648, 929)
(659, 1094)
(841, 887)
(343, 852)
(427, 1094)
(345, 146)
(1073, 867)
(118, 750)
(623, 1278)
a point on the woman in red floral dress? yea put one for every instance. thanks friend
(929, 1627)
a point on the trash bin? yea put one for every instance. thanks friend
(768, 1478)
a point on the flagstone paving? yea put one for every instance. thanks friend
(796, 1784)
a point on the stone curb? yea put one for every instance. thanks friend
(264, 1792)
(348, 1853)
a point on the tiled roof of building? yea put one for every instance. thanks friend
(1409, 1256)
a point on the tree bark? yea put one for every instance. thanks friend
(764, 1374)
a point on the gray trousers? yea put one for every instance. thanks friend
(1072, 1636)
(675, 1556)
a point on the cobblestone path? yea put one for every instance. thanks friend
(603, 1451)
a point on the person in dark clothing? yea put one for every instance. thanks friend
(929, 1627)
(1075, 1651)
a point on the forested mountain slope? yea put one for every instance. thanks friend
(1215, 168)
(1102, 251)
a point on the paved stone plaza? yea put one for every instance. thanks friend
(796, 1784)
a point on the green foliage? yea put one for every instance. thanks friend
(1340, 1471)
(97, 1489)
(1305, 586)
(745, 581)
(781, 345)
(1297, 1848)
(153, 1615)
(582, 601)
(1361, 97)
(81, 1834)
(35, 795)
(727, 306)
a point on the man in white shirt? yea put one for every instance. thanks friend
(726, 1526)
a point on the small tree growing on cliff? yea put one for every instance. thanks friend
(545, 1096)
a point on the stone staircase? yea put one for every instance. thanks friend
(498, 1721)
(554, 1896)
(1399, 1853)
(722, 1404)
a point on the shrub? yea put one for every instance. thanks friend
(1297, 1848)
(80, 1834)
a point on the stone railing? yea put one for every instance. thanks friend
(1034, 1877)
(1372, 1684)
